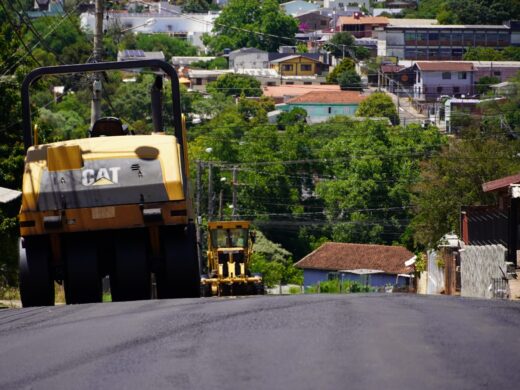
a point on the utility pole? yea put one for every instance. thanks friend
(95, 111)
(210, 192)
(197, 210)
(234, 186)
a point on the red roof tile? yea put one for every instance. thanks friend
(338, 97)
(444, 66)
(501, 183)
(362, 20)
(338, 256)
(297, 90)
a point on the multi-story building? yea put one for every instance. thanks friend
(437, 78)
(360, 26)
(439, 42)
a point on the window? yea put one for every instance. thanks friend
(422, 37)
(433, 36)
(492, 38)
(307, 83)
(330, 110)
(305, 67)
(445, 37)
(439, 89)
(410, 54)
(503, 38)
(480, 39)
(409, 37)
(289, 83)
(456, 38)
(446, 75)
(469, 38)
(497, 73)
(287, 67)
(462, 75)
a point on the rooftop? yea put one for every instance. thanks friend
(448, 26)
(345, 256)
(501, 184)
(297, 90)
(445, 66)
(411, 22)
(326, 97)
(362, 20)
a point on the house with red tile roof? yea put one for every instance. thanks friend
(283, 93)
(375, 265)
(322, 105)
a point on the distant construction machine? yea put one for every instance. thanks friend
(230, 245)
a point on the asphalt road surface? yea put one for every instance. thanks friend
(291, 342)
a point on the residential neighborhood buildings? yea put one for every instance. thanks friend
(322, 105)
(373, 265)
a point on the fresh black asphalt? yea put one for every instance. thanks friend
(324, 341)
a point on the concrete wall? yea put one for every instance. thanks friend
(435, 282)
(479, 265)
(254, 60)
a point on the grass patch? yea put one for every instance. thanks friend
(337, 287)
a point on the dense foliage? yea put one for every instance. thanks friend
(252, 23)
(467, 11)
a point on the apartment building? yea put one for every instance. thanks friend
(439, 42)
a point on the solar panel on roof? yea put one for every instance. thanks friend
(134, 53)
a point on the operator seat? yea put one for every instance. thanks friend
(107, 127)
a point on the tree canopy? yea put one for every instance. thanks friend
(467, 11)
(232, 84)
(252, 23)
(378, 104)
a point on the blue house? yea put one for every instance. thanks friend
(321, 106)
(374, 265)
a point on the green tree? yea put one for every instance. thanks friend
(217, 63)
(232, 84)
(378, 104)
(350, 81)
(372, 166)
(341, 44)
(251, 23)
(483, 54)
(346, 64)
(163, 42)
(510, 53)
(454, 178)
(484, 84)
(196, 6)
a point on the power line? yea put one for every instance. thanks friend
(15, 29)
(49, 32)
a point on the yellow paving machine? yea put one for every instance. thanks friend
(230, 245)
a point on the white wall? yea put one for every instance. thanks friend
(193, 24)
(478, 266)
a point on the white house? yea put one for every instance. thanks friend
(186, 26)
(437, 78)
